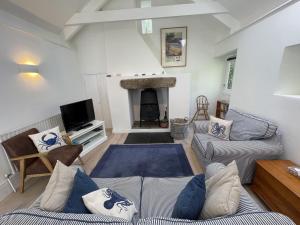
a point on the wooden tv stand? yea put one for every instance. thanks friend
(89, 137)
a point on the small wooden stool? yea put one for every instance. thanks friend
(202, 108)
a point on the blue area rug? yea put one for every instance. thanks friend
(155, 160)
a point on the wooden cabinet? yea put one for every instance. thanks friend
(222, 108)
(278, 189)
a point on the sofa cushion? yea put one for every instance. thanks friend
(223, 193)
(82, 185)
(191, 199)
(249, 127)
(159, 195)
(58, 188)
(129, 187)
(108, 202)
(47, 140)
(219, 128)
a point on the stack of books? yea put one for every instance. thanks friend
(294, 171)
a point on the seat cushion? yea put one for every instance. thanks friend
(249, 127)
(159, 195)
(65, 154)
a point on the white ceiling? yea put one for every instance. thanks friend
(54, 13)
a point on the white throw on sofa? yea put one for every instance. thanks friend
(251, 138)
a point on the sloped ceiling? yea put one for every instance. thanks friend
(247, 11)
(57, 12)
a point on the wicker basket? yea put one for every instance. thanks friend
(179, 128)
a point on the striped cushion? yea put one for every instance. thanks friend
(249, 127)
(36, 216)
(258, 218)
(160, 195)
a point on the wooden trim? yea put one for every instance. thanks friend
(37, 155)
(22, 175)
(39, 175)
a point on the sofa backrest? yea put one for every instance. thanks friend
(247, 127)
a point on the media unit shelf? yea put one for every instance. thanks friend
(89, 137)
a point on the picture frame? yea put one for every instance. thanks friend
(173, 47)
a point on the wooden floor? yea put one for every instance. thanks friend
(35, 186)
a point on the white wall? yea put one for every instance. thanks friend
(25, 100)
(206, 71)
(127, 52)
(260, 52)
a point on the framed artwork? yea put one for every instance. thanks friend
(173, 46)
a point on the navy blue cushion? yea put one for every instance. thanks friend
(191, 200)
(83, 185)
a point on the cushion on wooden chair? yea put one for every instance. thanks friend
(65, 154)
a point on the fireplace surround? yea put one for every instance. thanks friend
(173, 91)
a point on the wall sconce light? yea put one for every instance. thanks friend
(30, 69)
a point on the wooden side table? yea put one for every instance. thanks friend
(278, 189)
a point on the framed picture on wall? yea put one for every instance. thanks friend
(173, 46)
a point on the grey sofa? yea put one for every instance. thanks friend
(251, 138)
(154, 199)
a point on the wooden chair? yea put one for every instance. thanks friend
(30, 163)
(202, 108)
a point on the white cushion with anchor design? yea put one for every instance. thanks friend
(47, 140)
(219, 128)
(109, 203)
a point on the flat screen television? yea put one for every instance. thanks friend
(76, 115)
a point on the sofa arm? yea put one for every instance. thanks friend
(201, 126)
(255, 218)
(232, 150)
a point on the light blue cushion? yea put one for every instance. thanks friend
(248, 127)
(191, 200)
(83, 185)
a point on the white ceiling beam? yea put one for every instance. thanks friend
(229, 21)
(226, 19)
(202, 8)
(91, 6)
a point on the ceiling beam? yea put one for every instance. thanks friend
(226, 19)
(91, 6)
(202, 8)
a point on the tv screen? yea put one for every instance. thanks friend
(77, 114)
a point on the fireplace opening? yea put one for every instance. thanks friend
(149, 108)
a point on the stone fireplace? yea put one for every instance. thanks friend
(125, 98)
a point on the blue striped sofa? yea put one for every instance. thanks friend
(251, 138)
(154, 199)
